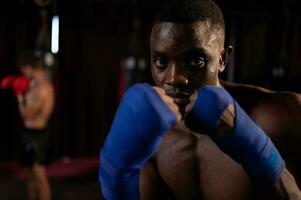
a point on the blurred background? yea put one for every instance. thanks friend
(94, 49)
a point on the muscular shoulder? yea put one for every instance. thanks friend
(45, 90)
(276, 112)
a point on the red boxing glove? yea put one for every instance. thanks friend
(7, 82)
(20, 85)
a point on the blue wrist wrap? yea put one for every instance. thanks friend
(140, 123)
(246, 142)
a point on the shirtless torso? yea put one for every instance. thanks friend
(190, 165)
(38, 102)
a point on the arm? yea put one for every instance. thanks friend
(286, 187)
(41, 103)
(140, 123)
(215, 111)
(280, 116)
(220, 116)
(151, 184)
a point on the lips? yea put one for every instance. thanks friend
(180, 98)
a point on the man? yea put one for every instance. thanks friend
(187, 138)
(36, 106)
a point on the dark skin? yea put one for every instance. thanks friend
(189, 165)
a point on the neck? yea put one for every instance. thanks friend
(218, 84)
(39, 75)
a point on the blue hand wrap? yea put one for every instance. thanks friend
(246, 142)
(140, 123)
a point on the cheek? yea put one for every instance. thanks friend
(157, 77)
(212, 72)
(198, 80)
(206, 77)
(213, 69)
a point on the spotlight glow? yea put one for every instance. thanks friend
(55, 35)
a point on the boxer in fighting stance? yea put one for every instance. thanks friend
(36, 106)
(193, 136)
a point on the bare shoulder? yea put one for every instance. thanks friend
(278, 114)
(46, 90)
(251, 96)
(275, 112)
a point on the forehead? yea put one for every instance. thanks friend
(191, 35)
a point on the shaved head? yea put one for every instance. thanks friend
(191, 11)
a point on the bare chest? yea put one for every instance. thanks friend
(193, 167)
(31, 94)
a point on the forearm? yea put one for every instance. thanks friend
(242, 139)
(286, 187)
(137, 130)
(26, 111)
(151, 184)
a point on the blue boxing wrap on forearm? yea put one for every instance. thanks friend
(140, 123)
(246, 142)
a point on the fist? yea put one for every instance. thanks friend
(169, 102)
(18, 84)
(192, 100)
(7, 81)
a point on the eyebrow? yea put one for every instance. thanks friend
(194, 51)
(157, 53)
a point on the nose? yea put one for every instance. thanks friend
(176, 77)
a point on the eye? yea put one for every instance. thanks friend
(196, 62)
(160, 62)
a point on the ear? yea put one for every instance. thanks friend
(224, 57)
